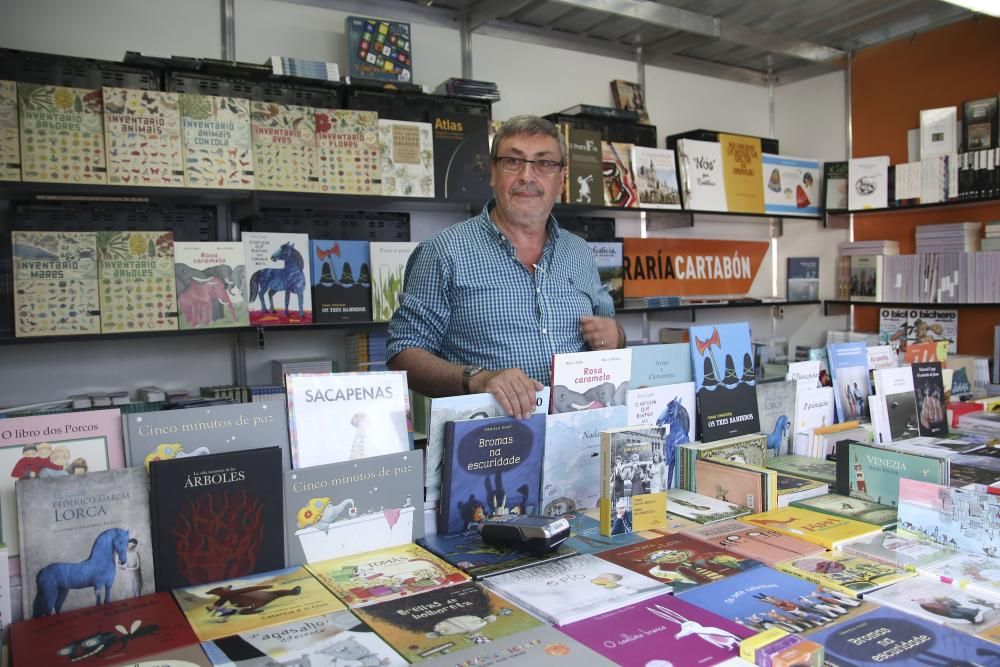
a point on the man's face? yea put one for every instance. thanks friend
(526, 197)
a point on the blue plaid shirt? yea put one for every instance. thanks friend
(467, 299)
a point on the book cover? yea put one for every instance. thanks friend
(610, 269)
(701, 175)
(130, 631)
(900, 406)
(899, 550)
(920, 352)
(893, 327)
(584, 166)
(218, 147)
(137, 285)
(588, 380)
(407, 154)
(349, 161)
(928, 387)
(805, 466)
(277, 275)
(826, 530)
(802, 279)
(388, 265)
(541, 646)
(669, 405)
(634, 479)
(628, 96)
(961, 518)
(930, 325)
(660, 363)
(679, 560)
(979, 124)
(461, 156)
(492, 467)
(938, 128)
(776, 410)
(142, 129)
(765, 545)
(644, 632)
(168, 434)
(969, 571)
(835, 186)
(341, 281)
(849, 369)
(850, 508)
(854, 575)
(763, 598)
(792, 488)
(337, 638)
(814, 408)
(335, 417)
(378, 49)
(742, 173)
(254, 602)
(62, 134)
(216, 516)
(933, 600)
(619, 176)
(467, 551)
(10, 149)
(868, 182)
(210, 281)
(656, 181)
(284, 146)
(702, 509)
(585, 535)
(791, 185)
(341, 509)
(55, 283)
(54, 446)
(84, 540)
(749, 487)
(724, 380)
(573, 442)
(371, 577)
(575, 588)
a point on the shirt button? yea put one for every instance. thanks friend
(544, 331)
(538, 290)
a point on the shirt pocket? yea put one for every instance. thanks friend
(569, 295)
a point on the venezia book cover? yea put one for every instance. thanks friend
(62, 134)
(725, 384)
(873, 473)
(137, 286)
(218, 150)
(349, 159)
(341, 281)
(277, 274)
(142, 129)
(284, 146)
(211, 284)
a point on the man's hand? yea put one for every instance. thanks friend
(601, 333)
(514, 390)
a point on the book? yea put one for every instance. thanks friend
(349, 161)
(585, 535)
(880, 357)
(741, 173)
(284, 146)
(10, 150)
(776, 411)
(791, 185)
(210, 280)
(898, 403)
(765, 545)
(407, 154)
(749, 486)
(899, 550)
(805, 466)
(835, 186)
(327, 409)
(873, 473)
(142, 130)
(933, 600)
(341, 509)
(628, 96)
(461, 156)
(574, 588)
(388, 266)
(802, 279)
(937, 132)
(370, 577)
(216, 516)
(670, 406)
(332, 638)
(62, 134)
(492, 467)
(928, 388)
(276, 263)
(619, 176)
(215, 131)
(341, 281)
(656, 364)
(573, 442)
(254, 602)
(702, 508)
(792, 488)
(655, 174)
(467, 551)
(868, 183)
(724, 379)
(969, 571)
(849, 369)
(961, 518)
(588, 380)
(634, 479)
(137, 287)
(55, 283)
(853, 575)
(979, 124)
(610, 270)
(584, 166)
(701, 175)
(70, 556)
(543, 646)
(642, 633)
(378, 49)
(847, 507)
(168, 434)
(743, 450)
(815, 407)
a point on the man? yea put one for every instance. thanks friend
(487, 302)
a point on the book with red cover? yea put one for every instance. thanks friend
(767, 546)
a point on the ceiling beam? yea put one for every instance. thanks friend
(490, 10)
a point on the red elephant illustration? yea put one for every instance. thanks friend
(196, 301)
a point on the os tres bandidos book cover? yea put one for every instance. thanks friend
(724, 381)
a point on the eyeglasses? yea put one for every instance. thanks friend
(515, 165)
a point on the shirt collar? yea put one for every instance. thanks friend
(551, 227)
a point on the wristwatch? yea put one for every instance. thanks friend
(467, 373)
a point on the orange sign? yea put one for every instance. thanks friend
(690, 267)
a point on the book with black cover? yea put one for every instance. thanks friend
(725, 384)
(216, 517)
(802, 279)
(584, 168)
(928, 387)
(461, 156)
(979, 124)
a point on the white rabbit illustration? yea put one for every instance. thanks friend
(717, 636)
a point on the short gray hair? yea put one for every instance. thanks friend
(528, 125)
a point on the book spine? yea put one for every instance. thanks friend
(444, 500)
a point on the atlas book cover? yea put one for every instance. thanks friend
(591, 379)
(277, 274)
(341, 281)
(766, 545)
(341, 509)
(853, 575)
(137, 287)
(461, 156)
(62, 134)
(349, 160)
(467, 551)
(634, 479)
(218, 146)
(84, 540)
(407, 153)
(142, 129)
(10, 149)
(211, 284)
(216, 516)
(284, 146)
(725, 384)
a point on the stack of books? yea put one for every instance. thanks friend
(309, 69)
(282, 367)
(991, 236)
(954, 237)
(483, 90)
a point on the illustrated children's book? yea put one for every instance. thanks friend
(55, 283)
(634, 479)
(767, 546)
(585, 535)
(75, 531)
(619, 177)
(378, 49)
(894, 408)
(742, 450)
(849, 369)
(644, 632)
(587, 380)
(749, 486)
(445, 620)
(347, 146)
(610, 268)
(254, 602)
(972, 572)
(928, 388)
(660, 363)
(218, 149)
(656, 182)
(10, 151)
(900, 550)
(824, 529)
(669, 405)
(211, 284)
(850, 508)
(725, 385)
(805, 466)
(467, 551)
(962, 518)
(62, 134)
(142, 129)
(341, 281)
(216, 516)
(776, 409)
(873, 473)
(341, 509)
(541, 646)
(277, 274)
(492, 467)
(284, 147)
(701, 175)
(700, 508)
(930, 598)
(137, 288)
(791, 186)
(388, 265)
(854, 575)
(571, 589)
(407, 153)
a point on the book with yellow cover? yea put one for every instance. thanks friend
(854, 575)
(62, 134)
(823, 529)
(385, 574)
(142, 131)
(742, 167)
(633, 480)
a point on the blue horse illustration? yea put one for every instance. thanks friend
(777, 436)
(55, 580)
(675, 415)
(290, 278)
